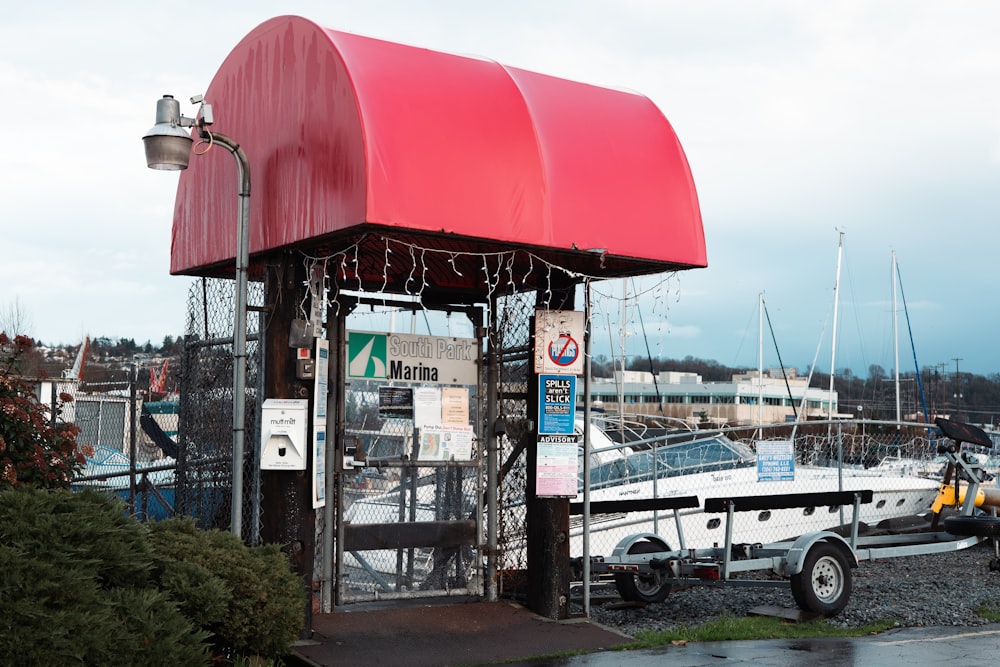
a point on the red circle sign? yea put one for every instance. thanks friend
(564, 350)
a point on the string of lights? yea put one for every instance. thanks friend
(499, 271)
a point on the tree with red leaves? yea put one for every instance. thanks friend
(36, 450)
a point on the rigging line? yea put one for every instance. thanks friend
(746, 329)
(812, 369)
(913, 348)
(619, 377)
(649, 354)
(858, 324)
(781, 364)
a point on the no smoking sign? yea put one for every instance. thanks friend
(558, 336)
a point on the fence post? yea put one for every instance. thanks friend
(548, 518)
(133, 379)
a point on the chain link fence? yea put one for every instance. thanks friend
(513, 341)
(630, 459)
(168, 458)
(204, 476)
(392, 490)
(127, 441)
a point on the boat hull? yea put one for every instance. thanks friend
(893, 497)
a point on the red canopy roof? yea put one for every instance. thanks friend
(347, 134)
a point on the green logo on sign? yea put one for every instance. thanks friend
(366, 355)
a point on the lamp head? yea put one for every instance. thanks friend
(168, 145)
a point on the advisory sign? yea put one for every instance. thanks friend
(556, 404)
(558, 464)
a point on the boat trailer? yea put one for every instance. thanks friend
(817, 566)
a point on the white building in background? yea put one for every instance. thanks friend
(747, 399)
(48, 390)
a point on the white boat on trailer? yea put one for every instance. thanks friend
(706, 464)
(817, 565)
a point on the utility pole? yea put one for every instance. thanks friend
(958, 388)
(942, 401)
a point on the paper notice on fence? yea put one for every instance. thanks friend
(455, 405)
(444, 442)
(426, 406)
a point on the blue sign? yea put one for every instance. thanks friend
(775, 461)
(556, 404)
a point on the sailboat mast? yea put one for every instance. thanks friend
(895, 337)
(760, 360)
(621, 383)
(836, 306)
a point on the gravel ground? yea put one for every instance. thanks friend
(930, 590)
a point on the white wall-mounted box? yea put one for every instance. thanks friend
(284, 434)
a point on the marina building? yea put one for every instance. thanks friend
(749, 398)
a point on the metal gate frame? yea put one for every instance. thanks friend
(433, 544)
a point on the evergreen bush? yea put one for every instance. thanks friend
(83, 583)
(76, 586)
(247, 597)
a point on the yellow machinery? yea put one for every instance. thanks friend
(965, 493)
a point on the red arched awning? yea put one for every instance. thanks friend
(347, 134)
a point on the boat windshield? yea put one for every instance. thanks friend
(706, 454)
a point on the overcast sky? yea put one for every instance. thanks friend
(800, 120)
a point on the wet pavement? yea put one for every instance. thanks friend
(907, 646)
(445, 632)
(455, 632)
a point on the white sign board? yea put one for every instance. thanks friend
(426, 359)
(426, 406)
(559, 342)
(557, 468)
(320, 390)
(283, 423)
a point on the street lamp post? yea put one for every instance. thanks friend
(168, 147)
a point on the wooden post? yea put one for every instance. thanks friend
(287, 516)
(548, 518)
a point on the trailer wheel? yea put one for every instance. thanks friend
(978, 526)
(642, 588)
(824, 585)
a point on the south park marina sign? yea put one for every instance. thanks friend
(409, 358)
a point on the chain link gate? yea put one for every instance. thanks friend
(394, 490)
(205, 433)
(411, 526)
(514, 350)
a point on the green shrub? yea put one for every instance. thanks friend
(246, 596)
(76, 586)
(82, 583)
